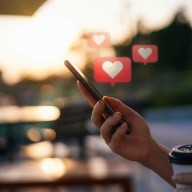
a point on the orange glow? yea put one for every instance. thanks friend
(53, 167)
(49, 134)
(97, 167)
(40, 46)
(38, 150)
(37, 46)
(34, 135)
(40, 113)
(12, 114)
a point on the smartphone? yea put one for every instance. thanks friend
(92, 90)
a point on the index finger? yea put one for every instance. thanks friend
(86, 94)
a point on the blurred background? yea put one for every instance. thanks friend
(44, 120)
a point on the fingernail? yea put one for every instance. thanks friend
(124, 125)
(98, 103)
(117, 115)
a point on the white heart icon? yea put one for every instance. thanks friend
(98, 39)
(145, 53)
(112, 68)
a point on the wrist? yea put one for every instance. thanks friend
(153, 154)
(158, 162)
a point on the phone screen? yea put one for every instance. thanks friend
(91, 89)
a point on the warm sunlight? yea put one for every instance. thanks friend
(14, 114)
(38, 150)
(37, 46)
(53, 166)
(97, 167)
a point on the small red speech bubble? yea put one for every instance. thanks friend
(145, 53)
(99, 40)
(112, 70)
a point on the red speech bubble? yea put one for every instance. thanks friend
(112, 70)
(145, 53)
(98, 40)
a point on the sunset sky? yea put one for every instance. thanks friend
(38, 45)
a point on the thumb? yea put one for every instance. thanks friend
(117, 105)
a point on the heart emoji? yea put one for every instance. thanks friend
(112, 68)
(98, 39)
(145, 53)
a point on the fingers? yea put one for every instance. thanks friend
(107, 125)
(183, 178)
(117, 137)
(106, 128)
(117, 105)
(86, 94)
(97, 114)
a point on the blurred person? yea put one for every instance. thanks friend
(139, 145)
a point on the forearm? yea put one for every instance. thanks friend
(158, 162)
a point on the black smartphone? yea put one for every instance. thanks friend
(92, 90)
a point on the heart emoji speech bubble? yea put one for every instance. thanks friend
(145, 53)
(98, 40)
(112, 70)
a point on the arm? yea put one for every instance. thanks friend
(139, 145)
(158, 162)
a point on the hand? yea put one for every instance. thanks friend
(138, 145)
(184, 179)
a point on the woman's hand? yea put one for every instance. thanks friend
(183, 179)
(139, 145)
(136, 146)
